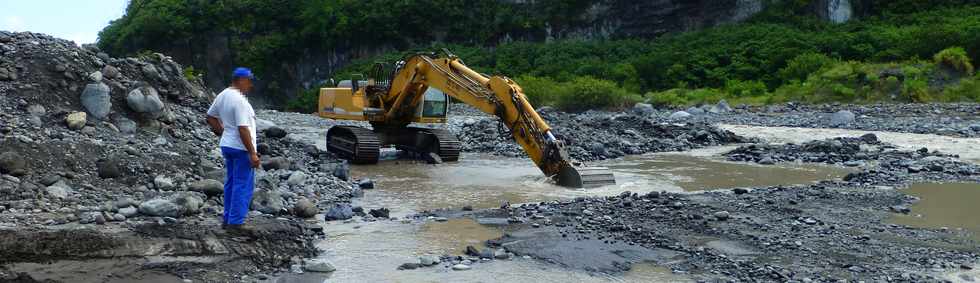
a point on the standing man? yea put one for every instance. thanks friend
(232, 118)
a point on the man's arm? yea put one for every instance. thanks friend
(246, 136)
(216, 127)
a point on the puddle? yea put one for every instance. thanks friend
(951, 205)
(371, 252)
(694, 173)
(967, 148)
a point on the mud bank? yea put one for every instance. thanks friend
(146, 251)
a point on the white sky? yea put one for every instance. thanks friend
(76, 20)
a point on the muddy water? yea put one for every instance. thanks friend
(484, 181)
(371, 251)
(694, 173)
(967, 148)
(952, 205)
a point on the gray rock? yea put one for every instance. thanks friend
(644, 109)
(58, 190)
(275, 163)
(109, 168)
(162, 182)
(722, 215)
(119, 217)
(694, 111)
(160, 207)
(96, 100)
(305, 208)
(190, 203)
(145, 100)
(261, 125)
(126, 126)
(36, 110)
(268, 201)
(380, 213)
(90, 217)
(501, 254)
(50, 179)
(296, 178)
(721, 107)
(975, 127)
(319, 265)
(151, 72)
(88, 130)
(128, 211)
(842, 117)
(95, 76)
(339, 211)
(461, 267)
(76, 120)
(110, 72)
(208, 187)
(766, 160)
(486, 253)
(366, 184)
(429, 260)
(680, 115)
(342, 171)
(275, 132)
(13, 163)
(409, 266)
(740, 191)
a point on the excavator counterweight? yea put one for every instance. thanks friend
(418, 90)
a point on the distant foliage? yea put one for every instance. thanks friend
(956, 59)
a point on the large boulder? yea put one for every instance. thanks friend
(160, 207)
(162, 182)
(13, 163)
(268, 201)
(342, 171)
(275, 132)
(109, 168)
(76, 120)
(126, 126)
(58, 190)
(110, 72)
(679, 115)
(842, 117)
(95, 99)
(644, 109)
(296, 178)
(208, 187)
(721, 107)
(189, 202)
(339, 211)
(145, 100)
(305, 208)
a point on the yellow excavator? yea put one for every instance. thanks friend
(417, 90)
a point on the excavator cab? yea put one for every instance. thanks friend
(434, 107)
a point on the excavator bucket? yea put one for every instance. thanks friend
(587, 177)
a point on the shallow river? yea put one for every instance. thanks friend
(370, 252)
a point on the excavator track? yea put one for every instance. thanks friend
(359, 145)
(449, 146)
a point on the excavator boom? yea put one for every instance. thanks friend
(397, 97)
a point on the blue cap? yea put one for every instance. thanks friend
(242, 72)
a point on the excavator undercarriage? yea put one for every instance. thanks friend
(418, 90)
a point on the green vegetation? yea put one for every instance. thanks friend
(782, 54)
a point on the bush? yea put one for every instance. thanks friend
(800, 67)
(737, 88)
(540, 91)
(306, 101)
(954, 58)
(584, 93)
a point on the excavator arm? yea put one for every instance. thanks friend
(496, 95)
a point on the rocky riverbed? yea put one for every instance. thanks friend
(96, 149)
(107, 164)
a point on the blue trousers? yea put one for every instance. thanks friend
(239, 185)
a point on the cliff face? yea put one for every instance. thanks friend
(609, 19)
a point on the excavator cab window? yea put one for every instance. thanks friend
(435, 104)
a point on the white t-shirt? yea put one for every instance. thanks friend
(233, 110)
